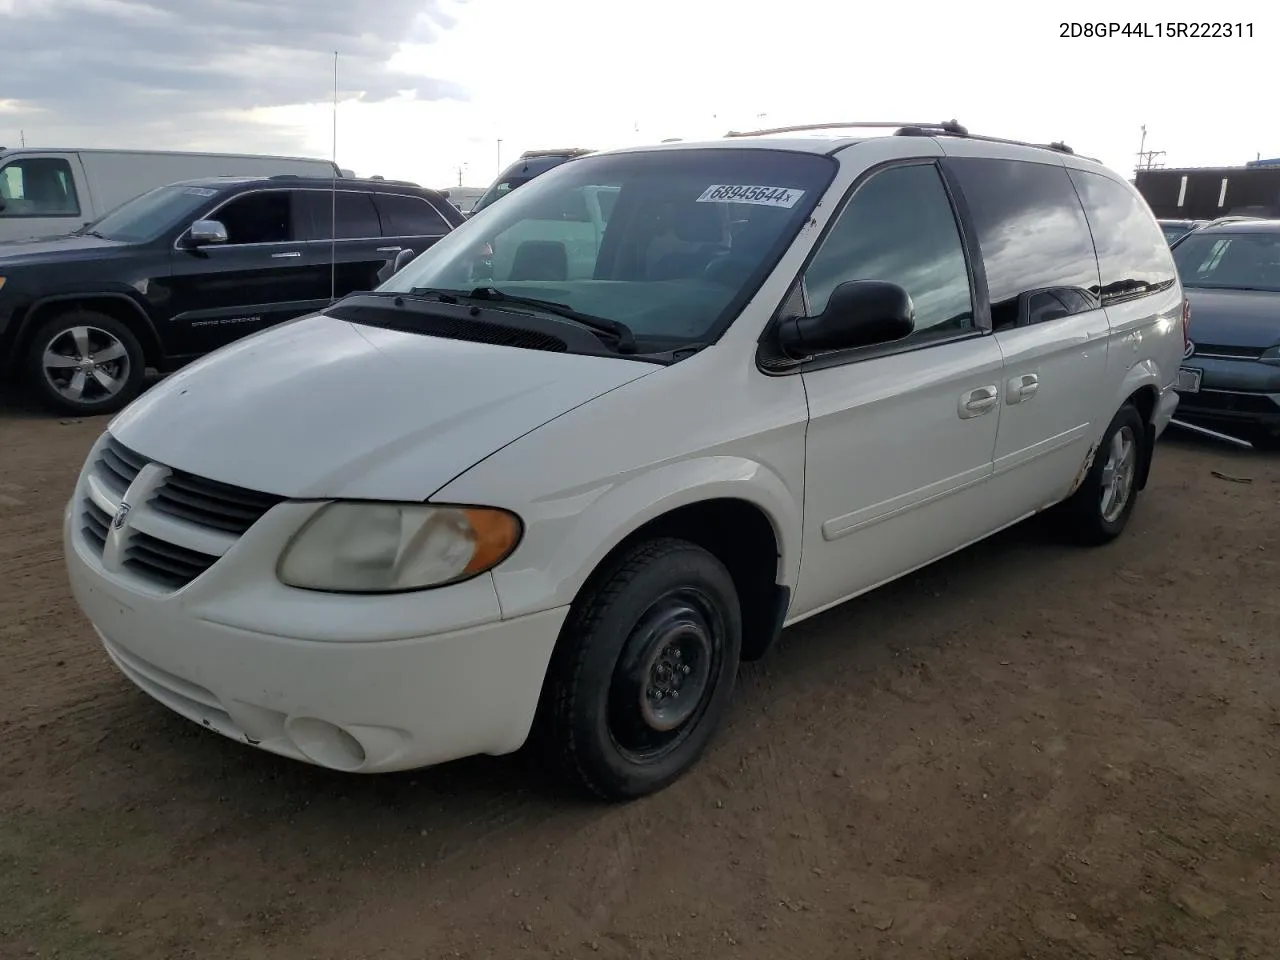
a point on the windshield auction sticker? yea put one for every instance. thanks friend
(764, 196)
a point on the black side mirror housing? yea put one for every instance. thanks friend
(859, 313)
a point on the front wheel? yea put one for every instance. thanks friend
(1264, 439)
(1100, 509)
(644, 671)
(85, 363)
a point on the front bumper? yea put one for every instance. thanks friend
(354, 683)
(1233, 392)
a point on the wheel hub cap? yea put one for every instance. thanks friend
(85, 364)
(1118, 473)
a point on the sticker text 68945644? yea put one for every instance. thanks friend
(765, 196)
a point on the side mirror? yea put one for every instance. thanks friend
(859, 313)
(393, 267)
(206, 232)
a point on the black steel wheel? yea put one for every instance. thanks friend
(644, 670)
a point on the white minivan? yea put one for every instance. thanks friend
(437, 518)
(46, 193)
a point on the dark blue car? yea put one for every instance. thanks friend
(1230, 379)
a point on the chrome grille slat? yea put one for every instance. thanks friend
(165, 561)
(118, 472)
(177, 529)
(212, 503)
(96, 524)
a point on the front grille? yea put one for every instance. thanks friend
(203, 506)
(210, 503)
(1228, 402)
(119, 466)
(1218, 351)
(165, 562)
(96, 524)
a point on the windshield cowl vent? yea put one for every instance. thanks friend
(434, 325)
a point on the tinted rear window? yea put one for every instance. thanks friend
(1031, 232)
(1133, 254)
(406, 216)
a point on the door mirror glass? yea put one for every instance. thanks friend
(205, 232)
(859, 313)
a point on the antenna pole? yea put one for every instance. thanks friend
(1146, 158)
(22, 139)
(333, 197)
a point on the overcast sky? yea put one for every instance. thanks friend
(428, 86)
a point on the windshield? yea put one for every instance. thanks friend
(1239, 261)
(670, 243)
(146, 217)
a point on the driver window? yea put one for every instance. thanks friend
(260, 217)
(899, 227)
(38, 187)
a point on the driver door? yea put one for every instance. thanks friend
(902, 435)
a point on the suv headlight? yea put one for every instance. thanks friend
(361, 547)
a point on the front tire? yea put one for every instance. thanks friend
(85, 363)
(1264, 439)
(644, 670)
(1099, 510)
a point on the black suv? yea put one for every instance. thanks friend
(189, 267)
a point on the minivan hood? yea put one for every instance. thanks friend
(1234, 318)
(325, 408)
(44, 249)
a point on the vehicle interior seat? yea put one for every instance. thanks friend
(540, 260)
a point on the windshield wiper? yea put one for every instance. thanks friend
(619, 332)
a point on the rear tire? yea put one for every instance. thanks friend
(85, 363)
(1099, 510)
(644, 670)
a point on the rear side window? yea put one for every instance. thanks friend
(405, 216)
(38, 187)
(899, 227)
(1032, 234)
(351, 211)
(1133, 255)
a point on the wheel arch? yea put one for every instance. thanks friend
(1141, 388)
(119, 306)
(740, 511)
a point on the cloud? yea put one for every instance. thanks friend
(171, 73)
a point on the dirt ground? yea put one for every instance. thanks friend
(1026, 751)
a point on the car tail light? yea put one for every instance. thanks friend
(1186, 322)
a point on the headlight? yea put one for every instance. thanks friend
(1, 283)
(350, 547)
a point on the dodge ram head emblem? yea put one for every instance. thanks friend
(121, 514)
(1188, 351)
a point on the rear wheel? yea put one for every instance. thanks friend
(1100, 509)
(644, 671)
(85, 363)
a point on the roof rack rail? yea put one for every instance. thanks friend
(947, 126)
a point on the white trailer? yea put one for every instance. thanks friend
(48, 192)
